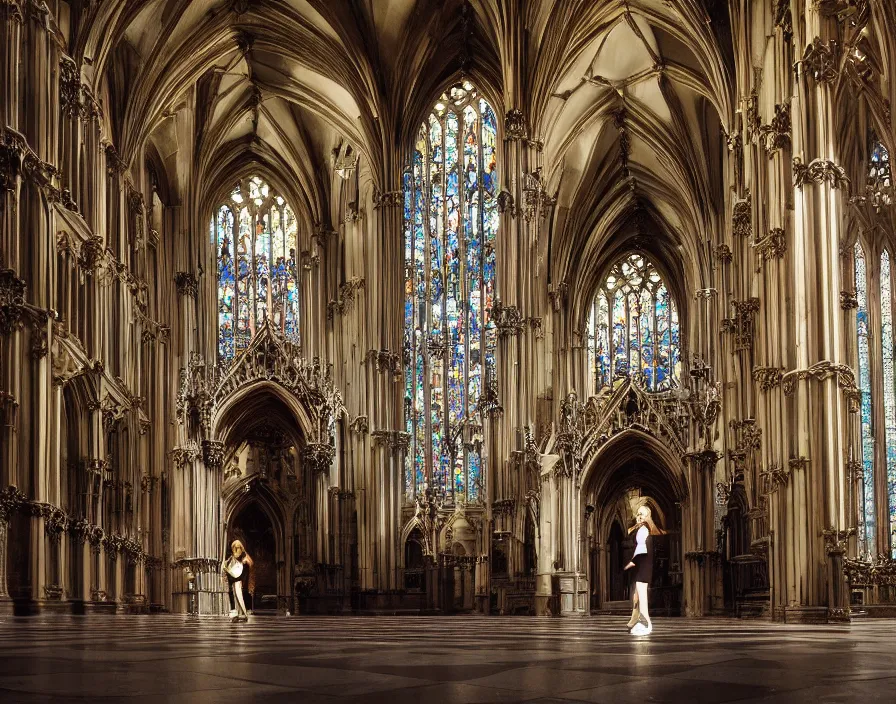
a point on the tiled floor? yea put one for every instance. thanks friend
(434, 660)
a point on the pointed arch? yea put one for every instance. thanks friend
(633, 328)
(256, 238)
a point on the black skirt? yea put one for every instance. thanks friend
(643, 571)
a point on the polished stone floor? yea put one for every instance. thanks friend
(434, 660)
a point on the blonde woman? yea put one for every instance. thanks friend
(237, 570)
(642, 564)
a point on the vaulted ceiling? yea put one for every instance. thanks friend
(628, 98)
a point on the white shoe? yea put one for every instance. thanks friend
(641, 630)
(232, 613)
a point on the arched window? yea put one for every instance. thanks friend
(879, 165)
(887, 352)
(255, 232)
(451, 220)
(633, 329)
(866, 510)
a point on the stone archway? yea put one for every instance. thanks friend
(631, 470)
(269, 483)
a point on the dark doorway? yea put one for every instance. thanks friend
(619, 545)
(253, 527)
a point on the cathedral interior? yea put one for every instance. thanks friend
(420, 300)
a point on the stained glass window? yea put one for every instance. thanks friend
(866, 510)
(255, 234)
(886, 341)
(451, 220)
(633, 330)
(879, 165)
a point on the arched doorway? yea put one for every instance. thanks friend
(268, 489)
(627, 473)
(254, 529)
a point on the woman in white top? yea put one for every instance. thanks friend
(642, 563)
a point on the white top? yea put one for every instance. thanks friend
(641, 537)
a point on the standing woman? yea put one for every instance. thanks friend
(642, 564)
(238, 572)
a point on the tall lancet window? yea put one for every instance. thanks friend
(633, 329)
(867, 520)
(887, 353)
(255, 233)
(451, 220)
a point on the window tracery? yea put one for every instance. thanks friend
(255, 232)
(451, 221)
(867, 520)
(633, 329)
(887, 357)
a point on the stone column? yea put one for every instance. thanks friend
(822, 385)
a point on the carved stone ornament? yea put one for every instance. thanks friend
(319, 456)
(819, 171)
(836, 541)
(388, 199)
(722, 252)
(515, 125)
(505, 204)
(820, 60)
(347, 291)
(185, 455)
(854, 470)
(10, 501)
(69, 87)
(557, 296)
(508, 319)
(821, 371)
(360, 425)
(213, 453)
(768, 377)
(773, 245)
(742, 217)
(848, 300)
(741, 324)
(536, 200)
(394, 439)
(12, 302)
(385, 361)
(776, 134)
(186, 283)
(775, 476)
(784, 18)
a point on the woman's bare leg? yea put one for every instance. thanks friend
(238, 591)
(636, 612)
(641, 588)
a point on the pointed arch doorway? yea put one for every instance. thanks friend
(627, 473)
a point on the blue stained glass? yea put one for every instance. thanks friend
(635, 328)
(256, 238)
(453, 216)
(867, 522)
(886, 341)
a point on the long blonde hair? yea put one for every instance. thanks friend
(237, 544)
(648, 521)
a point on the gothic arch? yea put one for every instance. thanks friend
(236, 499)
(633, 444)
(244, 403)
